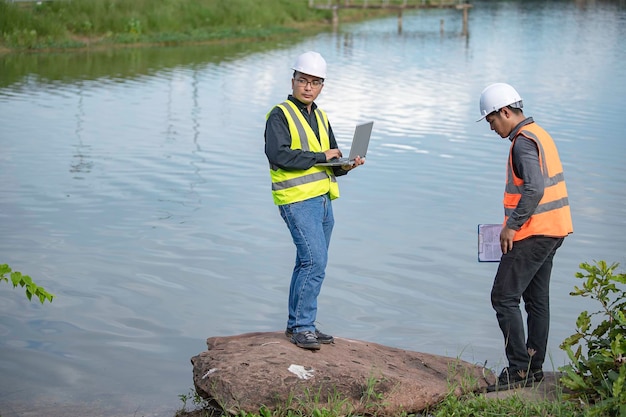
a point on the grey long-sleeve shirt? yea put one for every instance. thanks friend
(525, 156)
(278, 141)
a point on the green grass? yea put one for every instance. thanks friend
(61, 24)
(471, 405)
(76, 23)
(477, 405)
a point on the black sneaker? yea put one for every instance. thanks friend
(321, 337)
(509, 379)
(305, 340)
(324, 338)
(537, 374)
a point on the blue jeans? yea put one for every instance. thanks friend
(311, 224)
(524, 272)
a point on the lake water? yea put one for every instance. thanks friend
(133, 185)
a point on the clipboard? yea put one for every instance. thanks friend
(489, 242)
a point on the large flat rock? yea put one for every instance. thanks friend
(254, 370)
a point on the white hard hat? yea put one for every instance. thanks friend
(311, 63)
(497, 96)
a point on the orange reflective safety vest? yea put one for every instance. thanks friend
(291, 186)
(552, 216)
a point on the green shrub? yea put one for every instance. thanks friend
(597, 374)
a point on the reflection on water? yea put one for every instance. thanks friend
(119, 64)
(81, 163)
(135, 188)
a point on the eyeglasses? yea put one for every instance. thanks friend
(302, 82)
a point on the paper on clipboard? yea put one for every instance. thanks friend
(489, 242)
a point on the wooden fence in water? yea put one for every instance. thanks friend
(398, 5)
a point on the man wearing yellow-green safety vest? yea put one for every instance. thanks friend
(536, 220)
(297, 137)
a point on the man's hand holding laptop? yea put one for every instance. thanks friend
(357, 161)
(336, 153)
(358, 149)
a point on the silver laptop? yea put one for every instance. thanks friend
(360, 142)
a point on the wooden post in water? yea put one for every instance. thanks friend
(465, 14)
(400, 16)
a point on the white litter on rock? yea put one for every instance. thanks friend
(209, 373)
(300, 371)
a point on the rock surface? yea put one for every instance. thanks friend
(550, 389)
(254, 370)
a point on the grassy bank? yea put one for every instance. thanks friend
(81, 23)
(71, 24)
(61, 24)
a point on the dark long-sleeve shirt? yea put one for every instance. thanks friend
(525, 156)
(278, 141)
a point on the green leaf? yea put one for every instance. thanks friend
(601, 329)
(573, 381)
(583, 322)
(17, 278)
(618, 345)
(571, 340)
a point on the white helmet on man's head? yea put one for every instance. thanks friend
(497, 96)
(311, 63)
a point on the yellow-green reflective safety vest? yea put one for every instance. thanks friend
(291, 186)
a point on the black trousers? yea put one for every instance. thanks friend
(524, 272)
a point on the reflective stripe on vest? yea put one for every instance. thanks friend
(552, 216)
(290, 186)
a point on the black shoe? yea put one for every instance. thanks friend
(510, 379)
(321, 337)
(537, 374)
(305, 340)
(324, 338)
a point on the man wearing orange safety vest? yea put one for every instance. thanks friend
(298, 136)
(536, 220)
